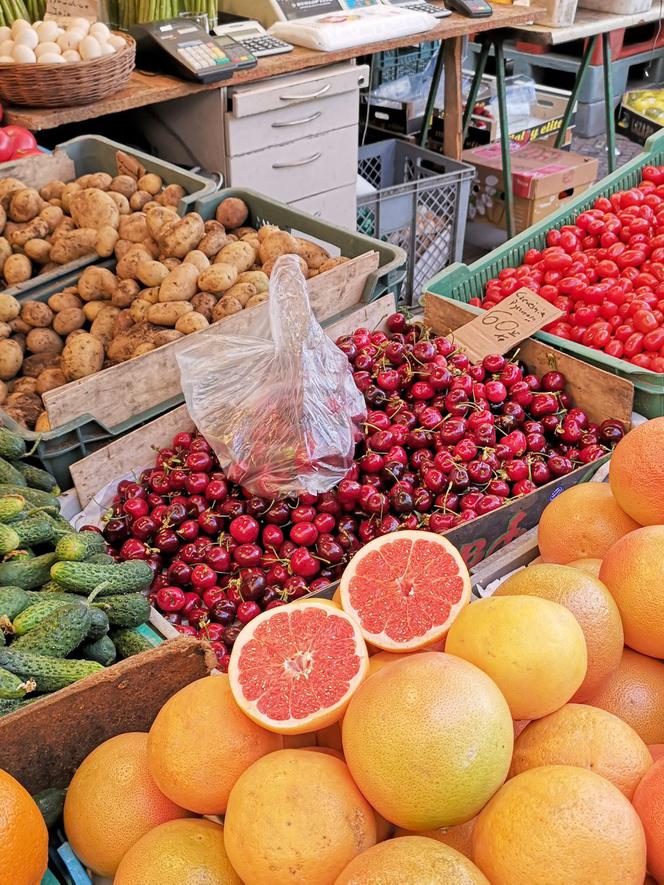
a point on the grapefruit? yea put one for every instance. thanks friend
(636, 476)
(23, 834)
(558, 825)
(656, 751)
(635, 693)
(591, 604)
(180, 852)
(411, 860)
(581, 523)
(187, 759)
(590, 566)
(532, 648)
(459, 837)
(586, 737)
(405, 589)
(112, 801)
(428, 739)
(633, 570)
(296, 817)
(649, 804)
(293, 670)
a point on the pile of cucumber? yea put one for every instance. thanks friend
(67, 609)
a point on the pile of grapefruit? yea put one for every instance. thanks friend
(398, 735)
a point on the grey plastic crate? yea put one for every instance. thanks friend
(420, 204)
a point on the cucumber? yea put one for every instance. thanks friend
(60, 525)
(102, 650)
(37, 478)
(27, 573)
(58, 634)
(34, 530)
(50, 674)
(11, 506)
(33, 496)
(51, 803)
(51, 587)
(84, 577)
(10, 706)
(125, 610)
(13, 600)
(33, 616)
(11, 445)
(9, 474)
(21, 553)
(13, 686)
(99, 624)
(9, 539)
(75, 547)
(101, 558)
(130, 642)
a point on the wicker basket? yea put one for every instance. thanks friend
(64, 85)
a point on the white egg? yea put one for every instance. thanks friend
(48, 32)
(89, 48)
(5, 34)
(107, 49)
(7, 47)
(23, 54)
(100, 31)
(6, 60)
(45, 48)
(81, 24)
(117, 42)
(51, 58)
(70, 56)
(70, 39)
(19, 25)
(27, 37)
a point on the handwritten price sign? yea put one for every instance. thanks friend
(73, 8)
(497, 330)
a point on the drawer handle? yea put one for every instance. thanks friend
(306, 162)
(307, 96)
(298, 122)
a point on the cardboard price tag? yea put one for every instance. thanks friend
(73, 9)
(497, 330)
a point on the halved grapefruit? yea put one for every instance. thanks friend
(405, 589)
(295, 668)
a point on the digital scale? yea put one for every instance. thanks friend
(180, 46)
(267, 12)
(253, 36)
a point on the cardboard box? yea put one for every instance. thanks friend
(636, 119)
(543, 179)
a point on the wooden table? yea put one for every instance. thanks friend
(148, 89)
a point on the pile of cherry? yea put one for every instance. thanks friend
(606, 273)
(444, 442)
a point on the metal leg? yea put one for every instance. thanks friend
(431, 100)
(608, 102)
(580, 74)
(504, 135)
(475, 86)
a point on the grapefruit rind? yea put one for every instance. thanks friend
(288, 638)
(399, 604)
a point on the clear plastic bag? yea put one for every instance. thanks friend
(279, 410)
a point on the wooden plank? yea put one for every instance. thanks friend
(157, 371)
(146, 89)
(39, 170)
(452, 141)
(587, 23)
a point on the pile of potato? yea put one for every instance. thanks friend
(41, 230)
(174, 276)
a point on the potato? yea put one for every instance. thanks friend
(242, 291)
(165, 336)
(232, 212)
(106, 240)
(11, 358)
(150, 295)
(139, 310)
(38, 250)
(52, 215)
(171, 263)
(180, 284)
(3, 391)
(23, 385)
(121, 202)
(151, 273)
(152, 247)
(76, 332)
(198, 259)
(65, 226)
(134, 227)
(274, 245)
(5, 330)
(123, 322)
(123, 184)
(52, 191)
(19, 337)
(49, 379)
(25, 205)
(213, 241)
(259, 280)
(145, 347)
(9, 307)
(92, 308)
(36, 314)
(203, 303)
(83, 355)
(157, 218)
(191, 322)
(138, 200)
(43, 341)
(225, 307)
(103, 324)
(127, 266)
(152, 204)
(171, 195)
(64, 300)
(256, 299)
(241, 232)
(17, 269)
(94, 208)
(217, 278)
(266, 230)
(67, 320)
(43, 424)
(5, 252)
(151, 183)
(96, 284)
(73, 244)
(35, 229)
(24, 407)
(312, 253)
(268, 267)
(330, 263)
(122, 348)
(99, 180)
(241, 255)
(122, 247)
(180, 237)
(168, 313)
(8, 187)
(34, 365)
(125, 293)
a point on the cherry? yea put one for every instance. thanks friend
(135, 507)
(540, 473)
(143, 528)
(196, 483)
(253, 583)
(211, 523)
(553, 381)
(442, 522)
(496, 392)
(179, 573)
(133, 549)
(304, 534)
(182, 440)
(278, 513)
(479, 472)
(543, 404)
(329, 550)
(272, 536)
(244, 529)
(494, 363)
(203, 577)
(247, 611)
(247, 555)
(213, 595)
(216, 490)
(166, 541)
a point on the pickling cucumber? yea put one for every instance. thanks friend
(58, 634)
(13, 686)
(101, 558)
(33, 616)
(50, 674)
(27, 573)
(11, 506)
(10, 706)
(84, 577)
(75, 547)
(9, 539)
(125, 610)
(130, 642)
(99, 624)
(9, 474)
(11, 445)
(36, 478)
(33, 530)
(13, 600)
(102, 650)
(33, 496)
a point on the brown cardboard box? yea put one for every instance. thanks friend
(543, 178)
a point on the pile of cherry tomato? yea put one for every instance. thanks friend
(606, 273)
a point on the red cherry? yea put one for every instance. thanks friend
(170, 599)
(203, 577)
(247, 611)
(244, 529)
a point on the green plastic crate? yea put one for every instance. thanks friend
(461, 282)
